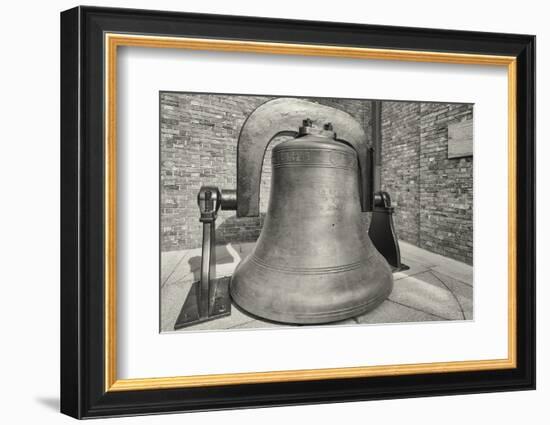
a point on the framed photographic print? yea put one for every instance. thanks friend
(261, 212)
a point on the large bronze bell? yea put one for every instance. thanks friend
(314, 261)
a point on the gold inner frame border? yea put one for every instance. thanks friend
(114, 40)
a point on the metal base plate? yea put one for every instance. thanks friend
(220, 304)
(399, 269)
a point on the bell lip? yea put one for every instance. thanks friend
(295, 318)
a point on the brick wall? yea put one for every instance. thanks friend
(198, 134)
(432, 195)
(399, 173)
(446, 185)
(198, 139)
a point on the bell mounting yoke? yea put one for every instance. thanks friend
(282, 116)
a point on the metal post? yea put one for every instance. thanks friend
(208, 298)
(208, 249)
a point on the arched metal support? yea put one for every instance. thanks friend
(282, 116)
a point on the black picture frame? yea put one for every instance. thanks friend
(83, 392)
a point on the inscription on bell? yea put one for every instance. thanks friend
(292, 157)
(314, 157)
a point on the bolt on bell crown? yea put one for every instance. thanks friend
(313, 262)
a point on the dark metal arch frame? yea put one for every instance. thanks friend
(256, 135)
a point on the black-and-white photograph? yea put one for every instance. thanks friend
(291, 211)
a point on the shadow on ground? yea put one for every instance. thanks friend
(231, 230)
(223, 256)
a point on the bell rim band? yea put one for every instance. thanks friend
(309, 270)
(310, 318)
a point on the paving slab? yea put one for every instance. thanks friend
(169, 261)
(181, 270)
(453, 268)
(391, 312)
(236, 318)
(244, 249)
(415, 267)
(259, 324)
(190, 264)
(463, 292)
(412, 252)
(458, 271)
(424, 293)
(172, 298)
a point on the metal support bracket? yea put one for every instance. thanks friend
(208, 298)
(382, 231)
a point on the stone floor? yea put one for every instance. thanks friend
(435, 288)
